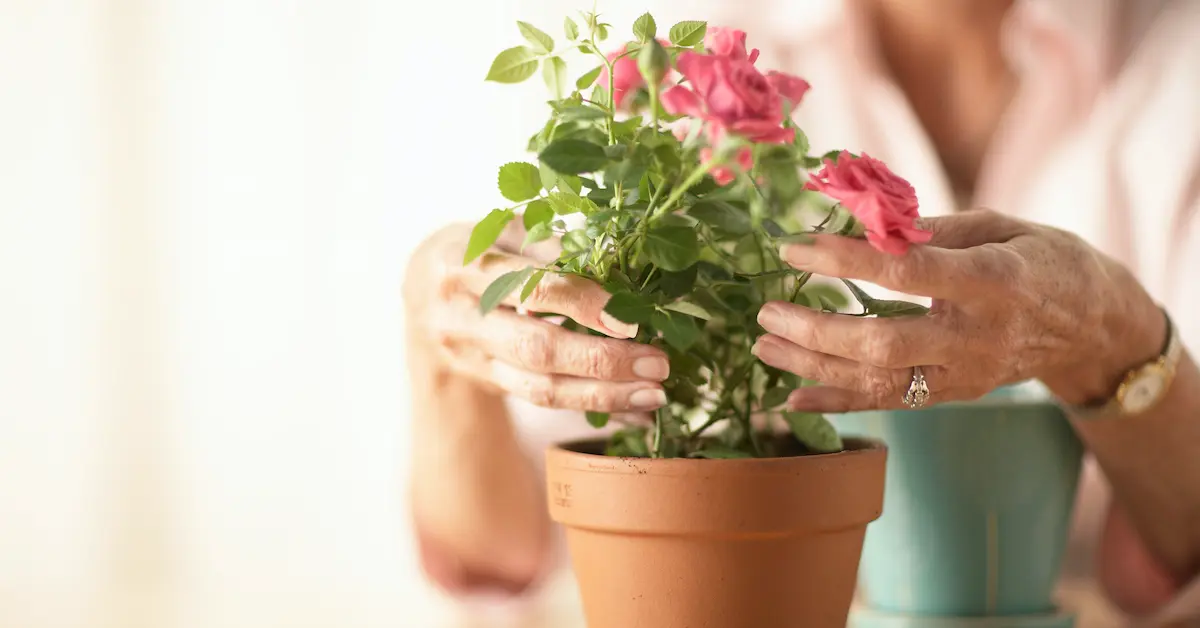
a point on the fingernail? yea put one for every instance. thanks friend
(652, 368)
(616, 327)
(764, 348)
(648, 399)
(797, 254)
(769, 315)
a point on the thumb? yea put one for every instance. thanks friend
(974, 227)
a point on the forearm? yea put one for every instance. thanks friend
(1152, 462)
(476, 497)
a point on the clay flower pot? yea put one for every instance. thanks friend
(979, 503)
(680, 543)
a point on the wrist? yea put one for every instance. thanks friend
(1128, 338)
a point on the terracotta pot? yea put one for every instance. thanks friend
(678, 543)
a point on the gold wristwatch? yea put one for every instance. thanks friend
(1143, 387)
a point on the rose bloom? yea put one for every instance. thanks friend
(724, 175)
(882, 201)
(728, 42)
(732, 96)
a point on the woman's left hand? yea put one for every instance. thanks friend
(1013, 301)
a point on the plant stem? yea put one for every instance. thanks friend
(678, 191)
(659, 418)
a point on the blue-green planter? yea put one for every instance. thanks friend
(977, 507)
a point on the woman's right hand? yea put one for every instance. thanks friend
(518, 354)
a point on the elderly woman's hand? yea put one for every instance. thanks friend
(520, 354)
(1012, 301)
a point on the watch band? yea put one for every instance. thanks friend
(1158, 373)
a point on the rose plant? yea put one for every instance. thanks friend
(673, 173)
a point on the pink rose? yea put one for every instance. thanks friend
(733, 96)
(728, 42)
(724, 175)
(883, 202)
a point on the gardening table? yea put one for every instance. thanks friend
(559, 608)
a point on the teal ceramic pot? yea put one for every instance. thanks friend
(866, 618)
(977, 507)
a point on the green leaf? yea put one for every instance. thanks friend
(576, 241)
(567, 202)
(541, 41)
(859, 294)
(629, 442)
(644, 28)
(503, 286)
(688, 33)
(570, 156)
(826, 304)
(677, 284)
(678, 330)
(601, 32)
(519, 181)
(586, 80)
(691, 309)
(513, 65)
(554, 72)
(630, 308)
(538, 233)
(719, 451)
(536, 213)
(672, 248)
(584, 112)
(890, 309)
(723, 216)
(801, 142)
(548, 176)
(597, 419)
(570, 29)
(572, 183)
(532, 283)
(775, 397)
(484, 235)
(600, 96)
(814, 431)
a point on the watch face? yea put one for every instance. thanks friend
(1142, 392)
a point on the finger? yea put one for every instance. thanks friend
(901, 342)
(512, 240)
(580, 299)
(974, 227)
(923, 270)
(538, 346)
(575, 393)
(839, 400)
(837, 372)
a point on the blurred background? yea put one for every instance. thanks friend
(206, 207)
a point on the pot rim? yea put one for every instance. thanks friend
(857, 448)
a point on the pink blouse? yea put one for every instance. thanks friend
(1102, 139)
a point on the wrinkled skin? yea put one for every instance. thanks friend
(1013, 301)
(512, 352)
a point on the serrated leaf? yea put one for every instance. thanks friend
(597, 419)
(890, 309)
(723, 216)
(554, 73)
(719, 451)
(532, 283)
(630, 308)
(672, 248)
(601, 32)
(801, 142)
(548, 176)
(583, 112)
(586, 80)
(688, 33)
(812, 429)
(678, 330)
(600, 96)
(485, 233)
(536, 213)
(519, 181)
(859, 294)
(644, 28)
(571, 30)
(775, 397)
(691, 309)
(503, 286)
(537, 233)
(513, 65)
(542, 42)
(571, 156)
(677, 284)
(565, 202)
